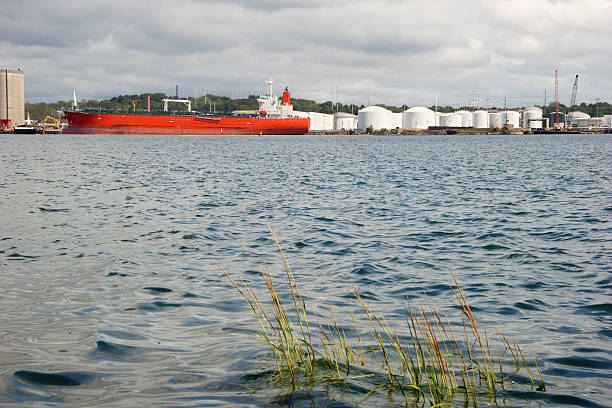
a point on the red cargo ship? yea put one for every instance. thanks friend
(273, 118)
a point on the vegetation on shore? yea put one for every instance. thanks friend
(428, 359)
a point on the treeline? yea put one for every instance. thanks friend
(224, 104)
(205, 104)
(593, 109)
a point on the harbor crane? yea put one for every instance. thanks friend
(574, 91)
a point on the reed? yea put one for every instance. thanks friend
(429, 363)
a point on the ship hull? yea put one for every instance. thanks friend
(121, 124)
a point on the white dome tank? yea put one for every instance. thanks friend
(578, 115)
(495, 120)
(467, 118)
(345, 121)
(510, 118)
(418, 118)
(480, 119)
(450, 120)
(375, 116)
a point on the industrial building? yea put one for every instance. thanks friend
(12, 105)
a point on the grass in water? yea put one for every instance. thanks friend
(428, 363)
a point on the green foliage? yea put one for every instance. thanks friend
(594, 109)
(443, 109)
(428, 361)
(38, 111)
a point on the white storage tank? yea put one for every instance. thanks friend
(438, 114)
(510, 118)
(396, 120)
(577, 115)
(321, 121)
(495, 120)
(532, 118)
(345, 121)
(450, 120)
(375, 116)
(419, 118)
(480, 119)
(467, 119)
(578, 118)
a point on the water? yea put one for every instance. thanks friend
(111, 295)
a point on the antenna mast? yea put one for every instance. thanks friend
(557, 124)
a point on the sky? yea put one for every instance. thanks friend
(366, 52)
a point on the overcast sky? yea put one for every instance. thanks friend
(394, 52)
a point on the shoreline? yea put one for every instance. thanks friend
(458, 131)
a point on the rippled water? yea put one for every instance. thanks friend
(111, 295)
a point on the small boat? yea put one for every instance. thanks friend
(27, 128)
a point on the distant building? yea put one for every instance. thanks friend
(12, 96)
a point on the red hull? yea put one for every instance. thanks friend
(93, 123)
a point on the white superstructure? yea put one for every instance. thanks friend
(271, 106)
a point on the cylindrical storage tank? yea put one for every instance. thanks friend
(438, 114)
(529, 114)
(375, 116)
(533, 119)
(480, 119)
(467, 119)
(552, 118)
(419, 118)
(511, 119)
(345, 121)
(450, 120)
(396, 120)
(495, 120)
(12, 96)
(321, 121)
(577, 115)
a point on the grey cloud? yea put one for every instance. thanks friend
(389, 51)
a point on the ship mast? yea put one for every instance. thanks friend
(557, 123)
